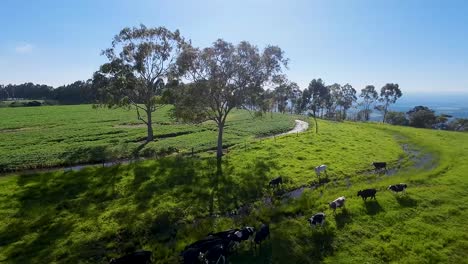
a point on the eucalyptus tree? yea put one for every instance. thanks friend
(223, 77)
(318, 93)
(389, 94)
(349, 97)
(141, 60)
(369, 96)
(284, 93)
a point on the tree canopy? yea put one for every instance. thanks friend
(222, 77)
(141, 61)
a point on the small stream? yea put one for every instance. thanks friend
(419, 159)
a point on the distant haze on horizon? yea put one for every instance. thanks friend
(421, 45)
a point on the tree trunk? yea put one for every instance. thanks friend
(385, 113)
(316, 124)
(219, 152)
(149, 125)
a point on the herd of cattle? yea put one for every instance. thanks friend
(215, 247)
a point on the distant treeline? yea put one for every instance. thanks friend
(79, 92)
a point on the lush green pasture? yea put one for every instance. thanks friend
(164, 204)
(63, 135)
(427, 225)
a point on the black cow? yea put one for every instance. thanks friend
(401, 187)
(380, 166)
(367, 193)
(317, 219)
(197, 252)
(140, 257)
(276, 182)
(262, 234)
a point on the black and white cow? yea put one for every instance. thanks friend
(244, 234)
(401, 187)
(380, 166)
(320, 169)
(317, 219)
(209, 247)
(337, 203)
(367, 193)
(139, 257)
(262, 234)
(276, 182)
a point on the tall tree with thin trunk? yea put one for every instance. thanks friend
(318, 93)
(223, 77)
(349, 97)
(369, 96)
(141, 60)
(389, 94)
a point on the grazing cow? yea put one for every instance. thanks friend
(243, 234)
(401, 187)
(337, 203)
(367, 193)
(140, 257)
(321, 168)
(262, 234)
(380, 166)
(276, 182)
(317, 219)
(196, 252)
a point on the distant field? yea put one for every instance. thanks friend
(35, 137)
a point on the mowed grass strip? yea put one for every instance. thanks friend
(36, 137)
(162, 205)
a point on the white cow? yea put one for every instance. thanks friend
(337, 203)
(321, 168)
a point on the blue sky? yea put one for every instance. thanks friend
(421, 45)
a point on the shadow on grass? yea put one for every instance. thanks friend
(102, 212)
(342, 218)
(373, 207)
(406, 201)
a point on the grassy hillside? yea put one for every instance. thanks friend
(162, 205)
(64, 135)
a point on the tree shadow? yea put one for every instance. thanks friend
(373, 207)
(136, 151)
(45, 206)
(406, 201)
(87, 154)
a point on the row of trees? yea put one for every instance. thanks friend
(331, 101)
(79, 92)
(148, 67)
(143, 62)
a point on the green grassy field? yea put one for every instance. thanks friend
(161, 205)
(50, 136)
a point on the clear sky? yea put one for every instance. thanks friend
(421, 45)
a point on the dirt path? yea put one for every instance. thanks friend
(301, 126)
